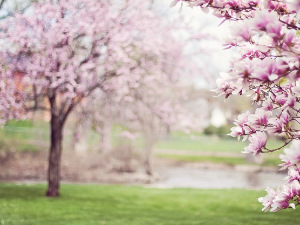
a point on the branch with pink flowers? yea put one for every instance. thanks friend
(265, 33)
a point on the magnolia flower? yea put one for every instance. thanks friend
(173, 3)
(288, 38)
(286, 163)
(241, 32)
(224, 86)
(284, 117)
(296, 91)
(295, 4)
(282, 198)
(262, 19)
(290, 101)
(295, 187)
(267, 105)
(270, 69)
(281, 99)
(260, 118)
(274, 30)
(242, 119)
(244, 68)
(267, 201)
(236, 131)
(293, 174)
(292, 154)
(258, 141)
(275, 126)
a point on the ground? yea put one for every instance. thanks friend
(169, 172)
(140, 199)
(92, 167)
(130, 205)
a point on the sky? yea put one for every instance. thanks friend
(218, 59)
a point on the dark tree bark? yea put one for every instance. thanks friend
(59, 114)
(56, 128)
(55, 156)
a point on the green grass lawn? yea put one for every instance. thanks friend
(270, 160)
(209, 143)
(127, 205)
(27, 135)
(23, 135)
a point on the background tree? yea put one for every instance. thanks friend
(153, 97)
(62, 52)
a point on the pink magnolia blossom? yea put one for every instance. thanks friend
(282, 198)
(276, 126)
(293, 174)
(263, 19)
(286, 163)
(258, 142)
(267, 201)
(295, 187)
(269, 70)
(292, 154)
(260, 118)
(284, 117)
(267, 105)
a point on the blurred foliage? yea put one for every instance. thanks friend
(221, 131)
(23, 135)
(19, 123)
(27, 135)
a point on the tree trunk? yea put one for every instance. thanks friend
(55, 156)
(149, 156)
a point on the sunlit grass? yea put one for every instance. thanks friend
(232, 161)
(23, 135)
(127, 205)
(209, 143)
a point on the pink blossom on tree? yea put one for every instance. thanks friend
(62, 51)
(258, 142)
(153, 97)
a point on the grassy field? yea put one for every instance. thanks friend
(272, 160)
(24, 136)
(127, 205)
(215, 144)
(209, 143)
(27, 135)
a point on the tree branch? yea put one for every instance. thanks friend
(1, 4)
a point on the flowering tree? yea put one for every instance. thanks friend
(61, 52)
(152, 98)
(266, 33)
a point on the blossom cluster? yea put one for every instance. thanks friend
(70, 48)
(288, 195)
(266, 35)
